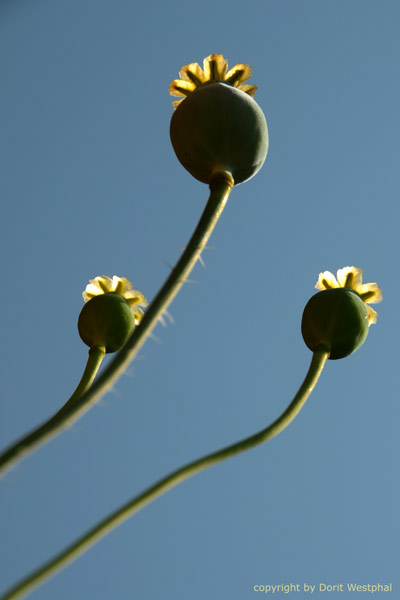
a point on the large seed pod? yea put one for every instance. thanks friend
(336, 319)
(219, 128)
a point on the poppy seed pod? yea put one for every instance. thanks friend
(219, 128)
(106, 321)
(335, 319)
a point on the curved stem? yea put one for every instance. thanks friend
(127, 510)
(96, 356)
(220, 188)
(30, 442)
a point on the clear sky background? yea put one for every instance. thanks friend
(90, 185)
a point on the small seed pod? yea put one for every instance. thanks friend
(335, 319)
(219, 128)
(106, 320)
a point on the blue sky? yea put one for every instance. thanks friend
(91, 186)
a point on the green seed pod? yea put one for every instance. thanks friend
(219, 128)
(336, 319)
(106, 320)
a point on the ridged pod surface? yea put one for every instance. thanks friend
(219, 128)
(336, 319)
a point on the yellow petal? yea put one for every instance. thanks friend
(89, 295)
(138, 314)
(193, 73)
(326, 281)
(350, 277)
(238, 74)
(181, 88)
(215, 67)
(94, 282)
(248, 89)
(92, 290)
(372, 315)
(105, 283)
(96, 286)
(121, 285)
(370, 292)
(135, 297)
(118, 286)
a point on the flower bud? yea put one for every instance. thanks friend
(337, 320)
(106, 320)
(219, 128)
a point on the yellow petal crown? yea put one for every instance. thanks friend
(351, 278)
(215, 68)
(118, 285)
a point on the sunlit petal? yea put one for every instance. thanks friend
(193, 73)
(372, 315)
(89, 295)
(105, 283)
(215, 67)
(349, 277)
(121, 285)
(247, 88)
(370, 292)
(326, 281)
(238, 74)
(93, 290)
(135, 297)
(179, 87)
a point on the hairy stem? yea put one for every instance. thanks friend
(31, 441)
(220, 188)
(127, 510)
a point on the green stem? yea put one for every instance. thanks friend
(220, 188)
(30, 442)
(96, 356)
(127, 510)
